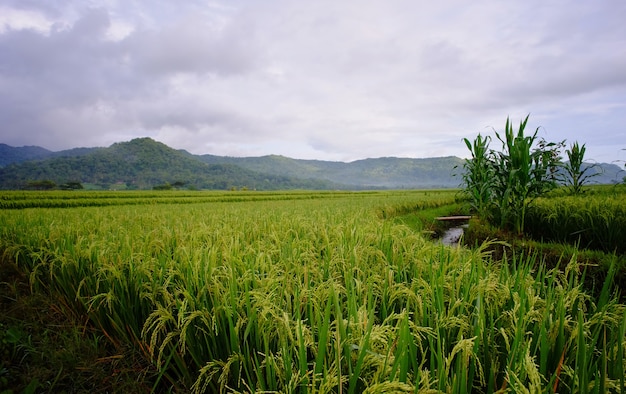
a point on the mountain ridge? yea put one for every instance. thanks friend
(141, 163)
(144, 163)
(382, 172)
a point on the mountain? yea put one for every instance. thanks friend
(604, 173)
(142, 164)
(9, 154)
(385, 172)
(73, 152)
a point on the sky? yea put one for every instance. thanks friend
(337, 80)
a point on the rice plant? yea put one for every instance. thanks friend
(593, 221)
(318, 295)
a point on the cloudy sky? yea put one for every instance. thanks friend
(325, 79)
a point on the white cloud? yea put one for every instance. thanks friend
(324, 79)
(16, 19)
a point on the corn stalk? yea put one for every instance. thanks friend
(502, 184)
(576, 172)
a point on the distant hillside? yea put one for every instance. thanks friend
(386, 172)
(73, 152)
(606, 173)
(142, 164)
(10, 155)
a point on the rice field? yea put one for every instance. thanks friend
(595, 221)
(308, 292)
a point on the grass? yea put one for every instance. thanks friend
(328, 294)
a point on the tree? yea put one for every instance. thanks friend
(165, 186)
(73, 185)
(45, 184)
(178, 184)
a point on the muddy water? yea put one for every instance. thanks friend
(452, 236)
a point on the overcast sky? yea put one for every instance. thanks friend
(321, 79)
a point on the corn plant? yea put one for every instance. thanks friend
(576, 172)
(522, 173)
(503, 183)
(478, 175)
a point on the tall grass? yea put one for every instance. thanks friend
(318, 295)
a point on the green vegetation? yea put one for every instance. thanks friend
(61, 199)
(46, 348)
(501, 184)
(515, 196)
(41, 185)
(594, 221)
(308, 292)
(504, 190)
(144, 163)
(384, 172)
(478, 176)
(576, 173)
(10, 155)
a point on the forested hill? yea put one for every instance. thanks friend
(9, 154)
(385, 172)
(144, 163)
(12, 155)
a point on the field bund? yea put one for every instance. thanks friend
(311, 292)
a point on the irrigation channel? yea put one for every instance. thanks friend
(453, 234)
